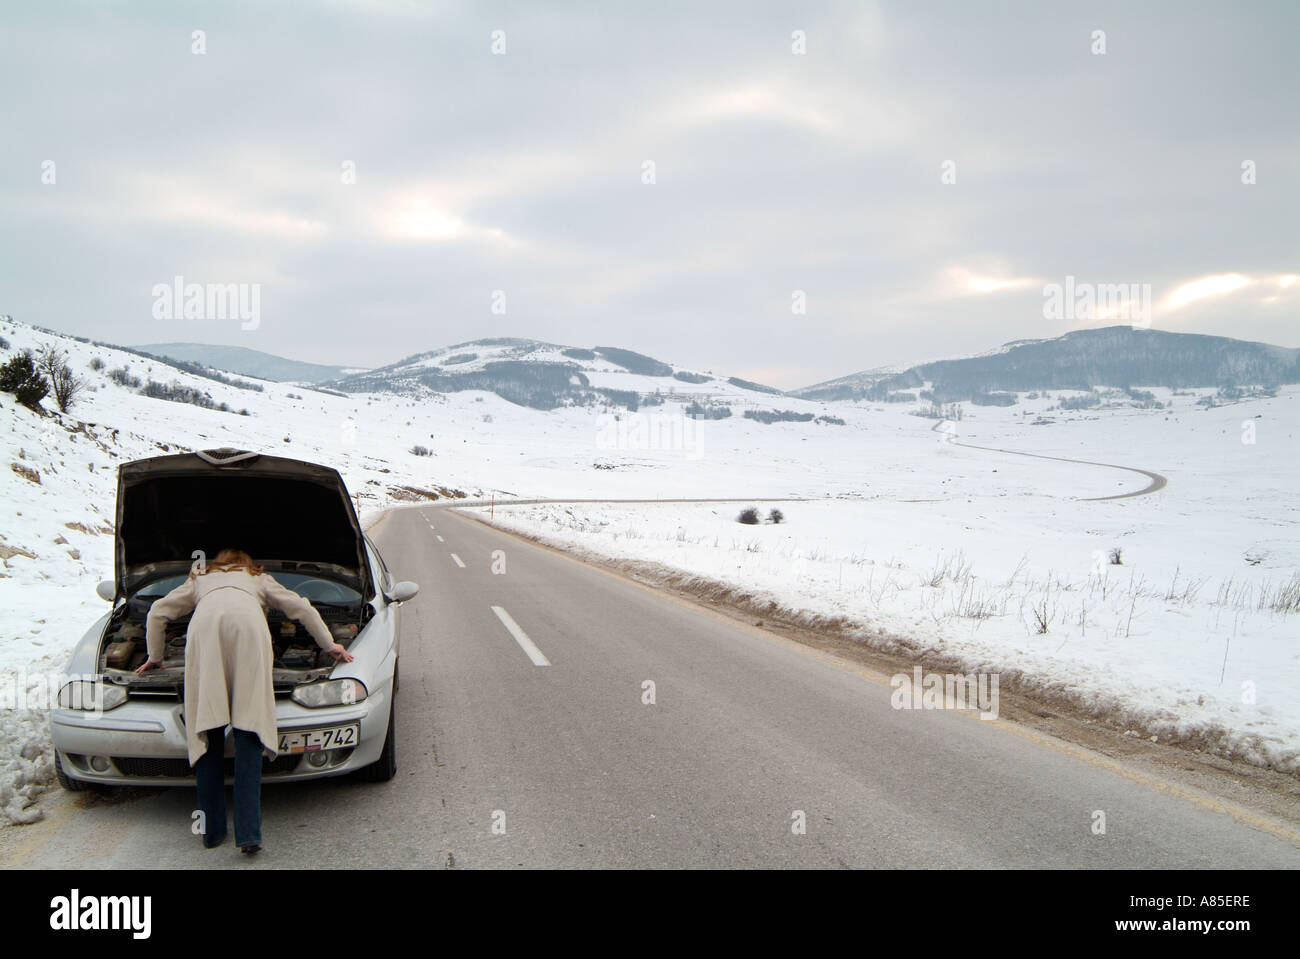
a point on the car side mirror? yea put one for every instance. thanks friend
(402, 592)
(106, 590)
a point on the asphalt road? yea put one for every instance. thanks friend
(1156, 482)
(523, 740)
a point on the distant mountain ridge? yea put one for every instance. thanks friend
(528, 372)
(545, 375)
(1119, 356)
(240, 359)
(542, 375)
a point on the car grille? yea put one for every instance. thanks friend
(146, 767)
(177, 693)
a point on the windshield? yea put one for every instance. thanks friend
(309, 587)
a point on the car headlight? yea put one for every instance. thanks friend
(91, 696)
(332, 692)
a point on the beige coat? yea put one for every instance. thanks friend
(228, 653)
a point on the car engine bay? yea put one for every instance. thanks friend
(297, 658)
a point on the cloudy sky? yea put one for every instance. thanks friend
(919, 172)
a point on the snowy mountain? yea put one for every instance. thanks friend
(239, 359)
(546, 376)
(1117, 356)
(853, 386)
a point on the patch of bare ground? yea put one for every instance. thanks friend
(8, 552)
(414, 494)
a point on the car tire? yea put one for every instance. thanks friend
(66, 781)
(385, 767)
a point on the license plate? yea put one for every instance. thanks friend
(311, 740)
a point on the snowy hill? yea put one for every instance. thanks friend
(240, 359)
(545, 376)
(1117, 356)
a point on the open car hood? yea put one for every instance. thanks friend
(286, 513)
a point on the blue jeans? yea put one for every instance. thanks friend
(211, 782)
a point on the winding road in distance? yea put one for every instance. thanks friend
(1157, 483)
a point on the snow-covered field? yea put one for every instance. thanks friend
(887, 524)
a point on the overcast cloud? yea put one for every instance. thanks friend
(774, 172)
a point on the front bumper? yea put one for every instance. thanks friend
(144, 742)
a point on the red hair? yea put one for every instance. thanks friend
(229, 559)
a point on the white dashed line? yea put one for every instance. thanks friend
(458, 561)
(526, 644)
(440, 539)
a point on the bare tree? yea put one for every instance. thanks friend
(67, 388)
(49, 359)
(64, 384)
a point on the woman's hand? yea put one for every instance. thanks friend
(339, 653)
(147, 665)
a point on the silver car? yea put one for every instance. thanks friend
(114, 727)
